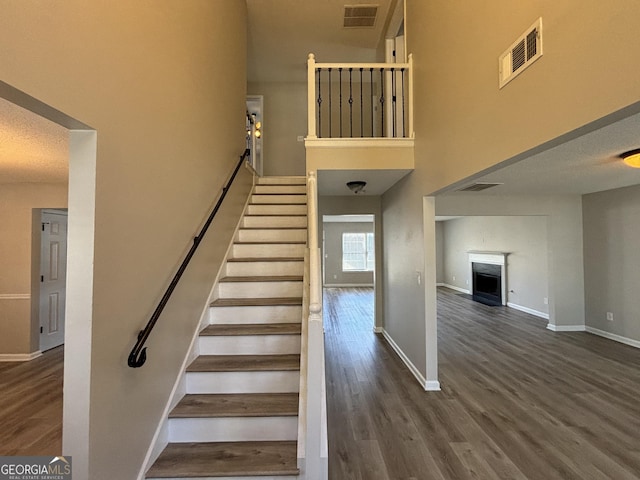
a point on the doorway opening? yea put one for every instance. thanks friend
(349, 263)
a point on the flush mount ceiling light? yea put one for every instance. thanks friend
(631, 158)
(356, 186)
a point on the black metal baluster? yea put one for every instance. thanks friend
(319, 104)
(350, 103)
(361, 109)
(404, 130)
(394, 104)
(382, 101)
(330, 108)
(340, 82)
(371, 99)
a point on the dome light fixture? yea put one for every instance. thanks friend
(356, 186)
(631, 158)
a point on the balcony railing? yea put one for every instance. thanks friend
(360, 100)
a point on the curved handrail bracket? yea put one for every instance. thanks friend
(138, 355)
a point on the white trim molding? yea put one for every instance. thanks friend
(15, 296)
(412, 368)
(528, 310)
(378, 330)
(566, 328)
(19, 357)
(453, 287)
(612, 336)
(432, 386)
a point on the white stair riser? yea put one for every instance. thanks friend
(249, 345)
(259, 289)
(274, 221)
(276, 209)
(256, 314)
(241, 269)
(265, 250)
(233, 429)
(244, 382)
(281, 180)
(280, 189)
(279, 199)
(273, 235)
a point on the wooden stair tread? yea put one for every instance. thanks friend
(245, 363)
(280, 193)
(256, 302)
(273, 228)
(252, 329)
(220, 459)
(274, 214)
(266, 259)
(262, 278)
(236, 405)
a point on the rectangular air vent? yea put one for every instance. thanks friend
(478, 187)
(521, 54)
(360, 15)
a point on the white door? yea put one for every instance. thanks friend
(53, 278)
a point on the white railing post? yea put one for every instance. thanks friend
(311, 96)
(315, 464)
(410, 132)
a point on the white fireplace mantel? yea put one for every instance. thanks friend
(493, 258)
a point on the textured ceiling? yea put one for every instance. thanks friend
(32, 149)
(587, 164)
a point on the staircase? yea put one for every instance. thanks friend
(239, 417)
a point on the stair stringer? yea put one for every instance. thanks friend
(161, 436)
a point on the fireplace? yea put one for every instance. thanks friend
(487, 271)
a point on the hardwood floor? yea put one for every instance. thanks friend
(31, 405)
(517, 401)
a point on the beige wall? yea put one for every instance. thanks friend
(332, 254)
(612, 277)
(523, 237)
(284, 119)
(16, 204)
(170, 123)
(465, 124)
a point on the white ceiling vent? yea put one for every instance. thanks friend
(360, 15)
(521, 54)
(478, 187)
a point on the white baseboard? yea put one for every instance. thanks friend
(566, 328)
(453, 287)
(528, 310)
(612, 336)
(412, 368)
(432, 386)
(378, 330)
(347, 285)
(19, 357)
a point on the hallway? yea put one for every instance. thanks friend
(518, 401)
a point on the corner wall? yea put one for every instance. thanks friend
(612, 278)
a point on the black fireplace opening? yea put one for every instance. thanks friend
(487, 283)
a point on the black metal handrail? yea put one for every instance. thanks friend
(138, 354)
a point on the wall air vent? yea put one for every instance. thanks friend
(521, 54)
(360, 15)
(478, 187)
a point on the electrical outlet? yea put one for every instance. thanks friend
(610, 316)
(454, 278)
(466, 282)
(545, 300)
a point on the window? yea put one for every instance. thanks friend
(358, 252)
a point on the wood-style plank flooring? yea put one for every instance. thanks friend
(517, 402)
(31, 405)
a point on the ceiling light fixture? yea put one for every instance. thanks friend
(631, 158)
(356, 186)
